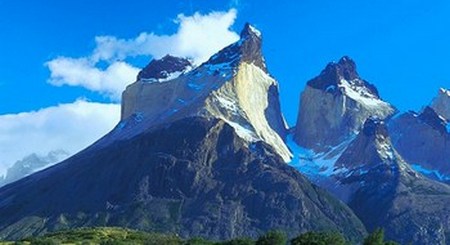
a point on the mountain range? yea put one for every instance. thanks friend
(30, 164)
(204, 150)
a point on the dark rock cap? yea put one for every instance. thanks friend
(161, 68)
(250, 32)
(346, 69)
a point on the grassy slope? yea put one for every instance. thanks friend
(102, 235)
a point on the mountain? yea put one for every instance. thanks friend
(201, 154)
(342, 143)
(30, 164)
(423, 139)
(335, 105)
(386, 192)
(333, 108)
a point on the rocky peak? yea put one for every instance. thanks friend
(430, 117)
(233, 85)
(441, 103)
(335, 74)
(164, 68)
(335, 105)
(248, 49)
(371, 147)
(250, 32)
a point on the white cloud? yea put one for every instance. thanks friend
(82, 72)
(198, 37)
(70, 127)
(76, 125)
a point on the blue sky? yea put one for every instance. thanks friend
(402, 46)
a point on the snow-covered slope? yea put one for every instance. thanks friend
(233, 85)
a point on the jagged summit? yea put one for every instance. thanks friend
(163, 69)
(343, 74)
(370, 149)
(250, 31)
(248, 49)
(335, 105)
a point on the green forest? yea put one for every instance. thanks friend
(118, 236)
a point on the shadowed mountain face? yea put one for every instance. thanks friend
(423, 140)
(194, 177)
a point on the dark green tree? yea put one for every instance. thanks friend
(375, 238)
(319, 238)
(272, 238)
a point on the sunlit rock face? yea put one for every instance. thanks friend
(233, 85)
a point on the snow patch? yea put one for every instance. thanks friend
(254, 30)
(241, 131)
(168, 76)
(445, 91)
(227, 103)
(363, 96)
(384, 148)
(314, 164)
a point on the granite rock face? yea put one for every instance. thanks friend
(335, 105)
(233, 85)
(193, 177)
